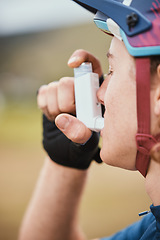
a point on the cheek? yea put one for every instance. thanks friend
(120, 124)
(120, 101)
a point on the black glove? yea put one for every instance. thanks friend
(64, 152)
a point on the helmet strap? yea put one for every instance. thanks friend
(143, 138)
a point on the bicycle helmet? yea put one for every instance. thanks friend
(137, 23)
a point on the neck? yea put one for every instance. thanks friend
(152, 182)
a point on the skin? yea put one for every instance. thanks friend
(54, 215)
(119, 98)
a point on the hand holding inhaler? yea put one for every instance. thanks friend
(59, 148)
(88, 109)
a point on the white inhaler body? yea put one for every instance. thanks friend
(88, 109)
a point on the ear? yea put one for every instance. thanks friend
(157, 94)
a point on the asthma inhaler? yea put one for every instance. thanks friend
(88, 109)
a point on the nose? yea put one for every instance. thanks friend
(101, 92)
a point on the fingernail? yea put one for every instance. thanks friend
(72, 60)
(62, 122)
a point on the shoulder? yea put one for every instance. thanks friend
(136, 230)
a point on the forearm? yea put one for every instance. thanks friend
(52, 213)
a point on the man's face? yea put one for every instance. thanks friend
(118, 93)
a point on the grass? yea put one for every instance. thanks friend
(20, 123)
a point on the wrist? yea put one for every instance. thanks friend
(50, 167)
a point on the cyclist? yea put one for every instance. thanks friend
(131, 133)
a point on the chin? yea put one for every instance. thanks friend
(117, 160)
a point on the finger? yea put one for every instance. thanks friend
(75, 130)
(41, 97)
(47, 114)
(66, 98)
(80, 56)
(42, 100)
(52, 101)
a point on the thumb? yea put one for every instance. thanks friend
(74, 129)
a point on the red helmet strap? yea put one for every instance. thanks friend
(144, 140)
(143, 137)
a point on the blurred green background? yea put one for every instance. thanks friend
(113, 197)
